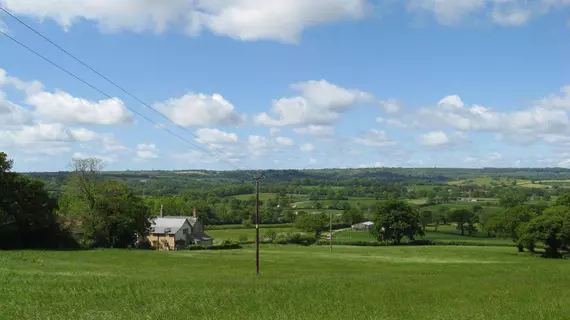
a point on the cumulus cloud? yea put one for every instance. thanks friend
(281, 20)
(147, 151)
(548, 117)
(274, 132)
(307, 147)
(216, 136)
(391, 122)
(200, 110)
(62, 107)
(315, 130)
(435, 138)
(374, 138)
(501, 12)
(286, 142)
(319, 103)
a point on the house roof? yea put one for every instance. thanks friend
(166, 225)
(190, 219)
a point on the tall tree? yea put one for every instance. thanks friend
(111, 214)
(27, 212)
(396, 219)
(507, 223)
(465, 220)
(316, 223)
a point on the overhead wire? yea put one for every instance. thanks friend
(127, 92)
(116, 100)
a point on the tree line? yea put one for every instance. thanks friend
(90, 212)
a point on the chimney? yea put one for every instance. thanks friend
(161, 211)
(194, 212)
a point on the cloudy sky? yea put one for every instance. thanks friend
(289, 83)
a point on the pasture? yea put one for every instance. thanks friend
(296, 283)
(235, 234)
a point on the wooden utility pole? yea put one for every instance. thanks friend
(330, 229)
(257, 224)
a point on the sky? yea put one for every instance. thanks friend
(280, 84)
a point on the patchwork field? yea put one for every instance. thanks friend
(296, 283)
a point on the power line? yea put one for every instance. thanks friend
(115, 99)
(115, 84)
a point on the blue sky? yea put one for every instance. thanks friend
(289, 83)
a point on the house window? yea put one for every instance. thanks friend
(184, 231)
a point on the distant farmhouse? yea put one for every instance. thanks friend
(175, 232)
(367, 225)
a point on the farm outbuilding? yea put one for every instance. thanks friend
(367, 225)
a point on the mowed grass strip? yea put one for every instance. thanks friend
(296, 283)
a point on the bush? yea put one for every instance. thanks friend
(224, 246)
(295, 238)
(243, 238)
(144, 245)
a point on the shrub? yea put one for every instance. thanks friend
(243, 238)
(224, 246)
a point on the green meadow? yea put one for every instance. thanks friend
(431, 282)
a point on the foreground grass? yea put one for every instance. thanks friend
(296, 283)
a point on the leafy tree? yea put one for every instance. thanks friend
(512, 199)
(551, 229)
(111, 214)
(426, 217)
(396, 219)
(465, 220)
(352, 216)
(27, 212)
(316, 223)
(507, 223)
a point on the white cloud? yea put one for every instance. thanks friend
(513, 17)
(374, 138)
(48, 139)
(286, 142)
(105, 158)
(12, 114)
(319, 103)
(391, 122)
(84, 135)
(548, 117)
(390, 106)
(489, 160)
(447, 11)
(200, 110)
(216, 136)
(282, 20)
(316, 130)
(435, 138)
(64, 108)
(274, 132)
(307, 147)
(147, 151)
(501, 12)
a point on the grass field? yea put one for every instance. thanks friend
(266, 196)
(234, 234)
(445, 236)
(296, 283)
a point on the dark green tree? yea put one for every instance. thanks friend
(426, 217)
(316, 223)
(27, 212)
(396, 219)
(465, 220)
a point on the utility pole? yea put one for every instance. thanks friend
(330, 229)
(257, 178)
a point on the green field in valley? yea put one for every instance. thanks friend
(235, 234)
(444, 235)
(432, 282)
